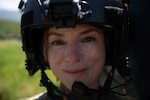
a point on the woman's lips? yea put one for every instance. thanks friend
(75, 72)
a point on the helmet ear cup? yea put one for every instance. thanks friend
(35, 54)
(38, 35)
(113, 53)
(123, 67)
(109, 45)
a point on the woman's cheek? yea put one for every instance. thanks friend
(55, 54)
(94, 52)
(89, 49)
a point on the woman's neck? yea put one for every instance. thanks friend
(65, 90)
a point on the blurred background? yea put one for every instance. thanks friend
(15, 83)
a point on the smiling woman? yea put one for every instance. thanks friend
(72, 54)
(77, 40)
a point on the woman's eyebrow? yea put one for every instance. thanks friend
(82, 32)
(90, 30)
(55, 33)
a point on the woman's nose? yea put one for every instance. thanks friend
(73, 53)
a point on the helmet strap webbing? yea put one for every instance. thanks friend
(108, 82)
(78, 88)
(52, 91)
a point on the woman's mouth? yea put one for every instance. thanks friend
(75, 72)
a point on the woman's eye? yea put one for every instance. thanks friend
(89, 39)
(58, 42)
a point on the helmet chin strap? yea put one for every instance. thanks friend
(52, 91)
(107, 85)
(79, 90)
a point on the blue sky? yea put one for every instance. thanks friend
(9, 5)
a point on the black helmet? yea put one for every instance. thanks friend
(112, 15)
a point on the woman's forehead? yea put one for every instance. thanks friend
(80, 28)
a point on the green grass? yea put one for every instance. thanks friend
(15, 82)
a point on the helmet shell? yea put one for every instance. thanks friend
(102, 12)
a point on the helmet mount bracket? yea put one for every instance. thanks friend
(66, 13)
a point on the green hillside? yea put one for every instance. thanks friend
(9, 28)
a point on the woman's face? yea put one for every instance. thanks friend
(76, 54)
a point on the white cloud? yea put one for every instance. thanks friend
(9, 5)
